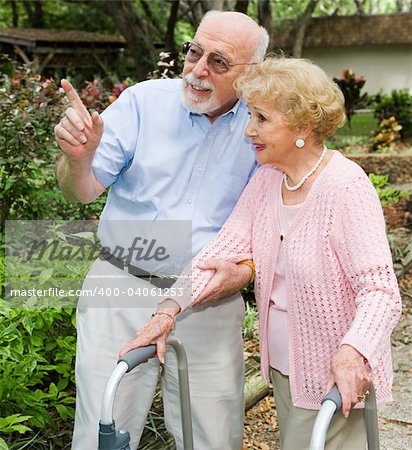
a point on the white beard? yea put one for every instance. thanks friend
(195, 103)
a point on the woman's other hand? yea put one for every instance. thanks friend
(351, 373)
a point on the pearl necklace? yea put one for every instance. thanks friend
(311, 172)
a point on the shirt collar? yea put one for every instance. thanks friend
(231, 114)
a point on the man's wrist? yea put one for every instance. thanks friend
(251, 265)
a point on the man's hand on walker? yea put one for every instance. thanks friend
(156, 330)
(228, 279)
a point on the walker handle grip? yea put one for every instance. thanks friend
(138, 356)
(334, 396)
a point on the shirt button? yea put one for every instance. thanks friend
(189, 200)
(199, 169)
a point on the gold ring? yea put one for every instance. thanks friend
(361, 398)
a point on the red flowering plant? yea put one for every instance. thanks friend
(96, 96)
(351, 87)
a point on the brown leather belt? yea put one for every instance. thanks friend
(156, 280)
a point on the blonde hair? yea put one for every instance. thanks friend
(300, 90)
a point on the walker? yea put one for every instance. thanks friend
(109, 438)
(331, 403)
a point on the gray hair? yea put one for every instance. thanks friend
(261, 41)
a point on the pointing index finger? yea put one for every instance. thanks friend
(75, 100)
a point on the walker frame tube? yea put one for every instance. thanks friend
(109, 438)
(331, 403)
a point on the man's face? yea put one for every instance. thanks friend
(205, 90)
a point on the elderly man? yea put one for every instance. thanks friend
(170, 150)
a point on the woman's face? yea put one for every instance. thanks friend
(273, 140)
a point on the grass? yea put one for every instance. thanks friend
(362, 124)
(358, 134)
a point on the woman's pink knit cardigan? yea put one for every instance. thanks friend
(339, 275)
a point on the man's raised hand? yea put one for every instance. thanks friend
(78, 133)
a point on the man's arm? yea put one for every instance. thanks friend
(77, 180)
(78, 135)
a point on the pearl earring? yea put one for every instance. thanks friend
(300, 143)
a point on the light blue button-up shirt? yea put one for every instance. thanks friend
(166, 163)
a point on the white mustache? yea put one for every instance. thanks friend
(200, 84)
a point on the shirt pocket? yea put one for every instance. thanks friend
(224, 196)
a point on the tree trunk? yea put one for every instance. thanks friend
(360, 9)
(242, 6)
(255, 390)
(209, 5)
(136, 32)
(147, 11)
(34, 10)
(191, 11)
(38, 16)
(151, 24)
(170, 45)
(265, 15)
(27, 7)
(14, 13)
(302, 24)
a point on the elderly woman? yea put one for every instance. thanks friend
(312, 223)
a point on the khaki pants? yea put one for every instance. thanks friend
(296, 424)
(213, 342)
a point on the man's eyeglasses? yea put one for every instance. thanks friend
(218, 63)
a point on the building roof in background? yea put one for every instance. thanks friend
(31, 37)
(338, 31)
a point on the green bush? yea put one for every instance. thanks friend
(399, 105)
(12, 424)
(28, 107)
(37, 351)
(386, 193)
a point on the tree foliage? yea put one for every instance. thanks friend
(150, 26)
(398, 105)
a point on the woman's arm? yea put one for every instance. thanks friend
(365, 256)
(366, 259)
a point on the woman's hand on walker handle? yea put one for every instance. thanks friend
(351, 374)
(156, 330)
